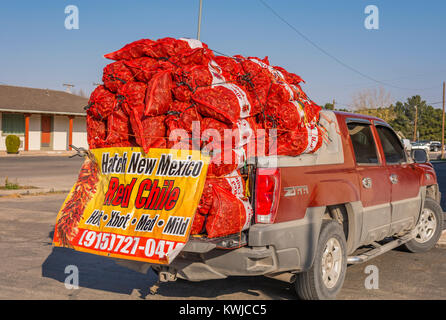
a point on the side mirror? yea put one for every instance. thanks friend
(419, 156)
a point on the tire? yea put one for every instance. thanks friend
(312, 284)
(430, 227)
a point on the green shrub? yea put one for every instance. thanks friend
(10, 185)
(12, 144)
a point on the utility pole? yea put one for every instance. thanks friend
(415, 125)
(199, 20)
(442, 126)
(334, 102)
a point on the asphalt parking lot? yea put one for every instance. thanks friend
(32, 269)
(45, 172)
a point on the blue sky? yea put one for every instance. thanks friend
(408, 50)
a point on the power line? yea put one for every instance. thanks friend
(412, 76)
(367, 86)
(328, 54)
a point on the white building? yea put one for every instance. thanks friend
(43, 119)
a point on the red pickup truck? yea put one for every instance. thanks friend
(357, 197)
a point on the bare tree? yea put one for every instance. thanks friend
(81, 93)
(371, 99)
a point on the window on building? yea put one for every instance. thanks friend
(13, 123)
(363, 143)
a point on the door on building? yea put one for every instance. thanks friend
(46, 124)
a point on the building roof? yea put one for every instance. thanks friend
(32, 100)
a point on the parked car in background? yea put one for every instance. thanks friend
(435, 146)
(425, 145)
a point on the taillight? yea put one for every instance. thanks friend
(267, 194)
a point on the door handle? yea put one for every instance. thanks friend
(367, 183)
(393, 178)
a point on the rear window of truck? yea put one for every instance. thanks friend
(363, 143)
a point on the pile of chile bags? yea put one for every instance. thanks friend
(155, 87)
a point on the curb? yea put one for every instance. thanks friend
(4, 154)
(32, 192)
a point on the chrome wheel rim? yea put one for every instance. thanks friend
(426, 226)
(331, 263)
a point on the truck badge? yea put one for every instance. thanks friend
(295, 190)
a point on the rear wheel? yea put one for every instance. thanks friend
(325, 278)
(429, 228)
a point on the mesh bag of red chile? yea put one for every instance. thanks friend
(150, 132)
(228, 214)
(142, 68)
(312, 112)
(179, 123)
(115, 75)
(198, 224)
(158, 94)
(182, 92)
(185, 51)
(181, 52)
(166, 47)
(196, 56)
(188, 79)
(186, 113)
(291, 78)
(225, 161)
(285, 116)
(96, 132)
(256, 79)
(131, 96)
(117, 128)
(132, 50)
(224, 102)
(232, 182)
(296, 142)
(101, 103)
(230, 68)
(212, 134)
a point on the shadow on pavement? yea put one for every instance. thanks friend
(96, 272)
(230, 288)
(102, 273)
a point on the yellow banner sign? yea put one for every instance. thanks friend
(131, 205)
